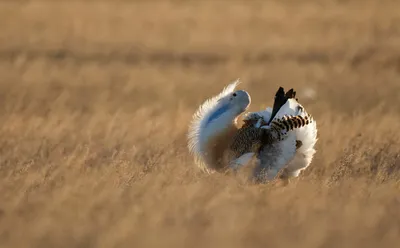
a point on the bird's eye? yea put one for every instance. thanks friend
(234, 94)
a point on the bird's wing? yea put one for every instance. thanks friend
(291, 107)
(271, 158)
(281, 98)
(294, 159)
(274, 157)
(307, 136)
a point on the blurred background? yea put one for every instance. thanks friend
(96, 97)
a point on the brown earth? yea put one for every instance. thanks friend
(96, 97)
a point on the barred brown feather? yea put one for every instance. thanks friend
(250, 138)
(288, 123)
(291, 122)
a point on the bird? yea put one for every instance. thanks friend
(290, 155)
(218, 142)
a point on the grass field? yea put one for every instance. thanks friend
(96, 98)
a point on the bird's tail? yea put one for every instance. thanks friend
(289, 122)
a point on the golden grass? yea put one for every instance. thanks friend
(96, 97)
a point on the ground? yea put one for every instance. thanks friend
(96, 98)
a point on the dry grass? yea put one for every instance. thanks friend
(96, 98)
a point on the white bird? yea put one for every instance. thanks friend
(214, 132)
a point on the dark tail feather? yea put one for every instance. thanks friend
(280, 99)
(290, 94)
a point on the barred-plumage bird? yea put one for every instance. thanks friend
(271, 136)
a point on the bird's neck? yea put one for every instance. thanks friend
(217, 145)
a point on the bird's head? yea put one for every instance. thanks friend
(232, 105)
(239, 101)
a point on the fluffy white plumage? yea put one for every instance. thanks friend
(218, 114)
(304, 154)
(198, 134)
(213, 117)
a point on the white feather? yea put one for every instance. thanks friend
(304, 155)
(198, 134)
